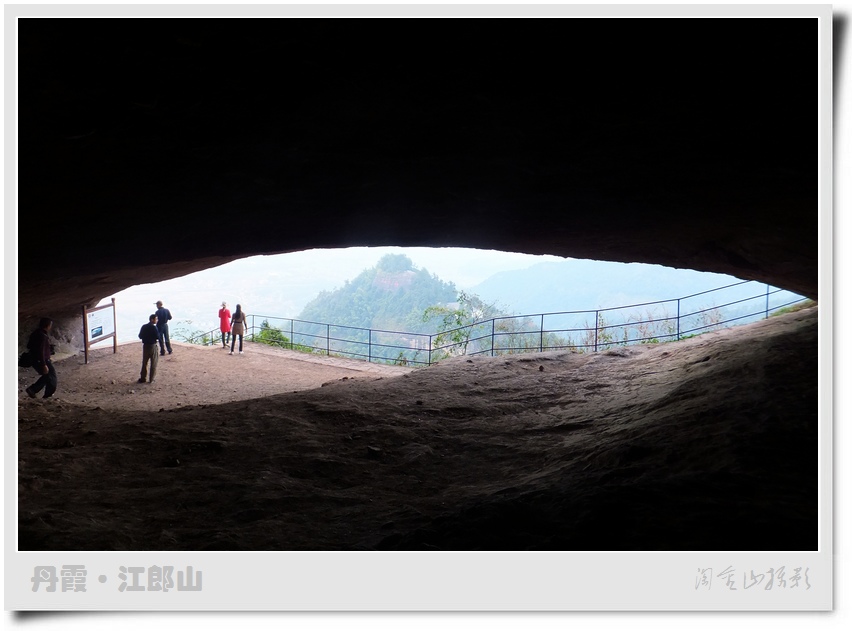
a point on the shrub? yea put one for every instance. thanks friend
(793, 308)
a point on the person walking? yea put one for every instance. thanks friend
(225, 324)
(150, 336)
(163, 317)
(238, 328)
(41, 350)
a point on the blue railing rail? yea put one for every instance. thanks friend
(663, 320)
(373, 345)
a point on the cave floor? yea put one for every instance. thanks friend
(704, 444)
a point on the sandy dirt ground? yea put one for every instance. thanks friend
(196, 375)
(704, 444)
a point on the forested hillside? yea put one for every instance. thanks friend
(391, 296)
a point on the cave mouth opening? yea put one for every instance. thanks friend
(389, 288)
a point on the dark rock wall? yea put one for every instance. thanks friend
(152, 148)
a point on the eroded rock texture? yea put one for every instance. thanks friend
(153, 148)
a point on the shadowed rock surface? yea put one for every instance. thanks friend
(211, 140)
(694, 445)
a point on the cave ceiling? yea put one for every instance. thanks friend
(152, 148)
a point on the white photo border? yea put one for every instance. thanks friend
(364, 581)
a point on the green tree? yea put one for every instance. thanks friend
(460, 324)
(394, 263)
(271, 336)
(183, 331)
(517, 335)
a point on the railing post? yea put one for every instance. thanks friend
(596, 331)
(291, 334)
(430, 351)
(328, 339)
(678, 318)
(541, 339)
(492, 336)
(767, 303)
(370, 346)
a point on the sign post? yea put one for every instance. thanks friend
(99, 326)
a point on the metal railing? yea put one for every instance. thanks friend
(663, 320)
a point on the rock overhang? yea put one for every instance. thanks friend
(152, 150)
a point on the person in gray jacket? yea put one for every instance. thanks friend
(238, 328)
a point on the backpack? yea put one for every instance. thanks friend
(25, 360)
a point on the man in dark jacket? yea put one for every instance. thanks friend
(150, 337)
(40, 350)
(163, 317)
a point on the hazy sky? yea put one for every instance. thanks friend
(281, 285)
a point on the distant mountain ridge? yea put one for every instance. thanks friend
(575, 284)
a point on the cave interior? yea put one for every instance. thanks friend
(152, 148)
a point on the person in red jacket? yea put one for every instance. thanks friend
(41, 350)
(225, 324)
